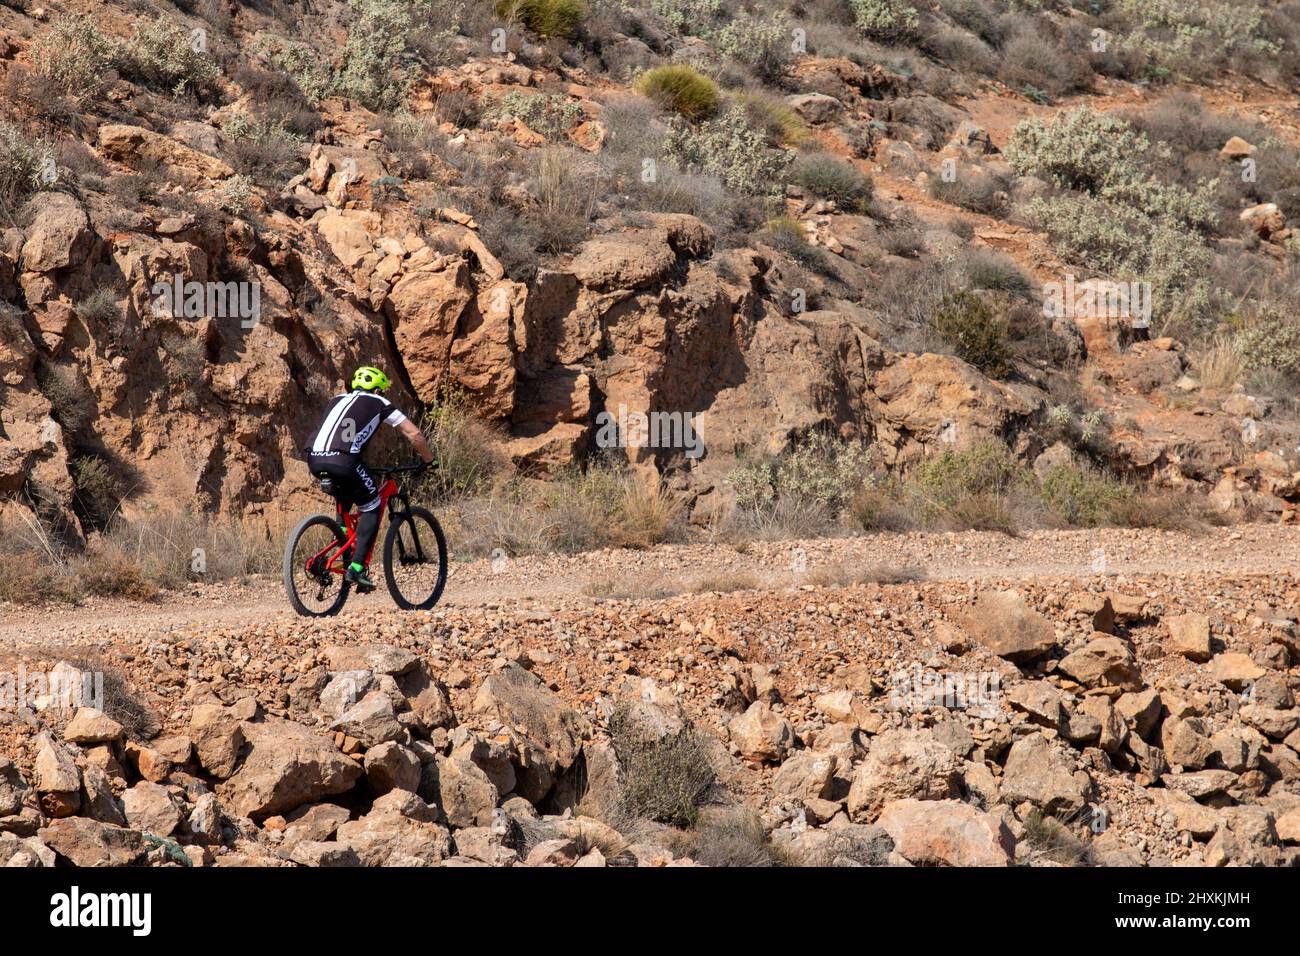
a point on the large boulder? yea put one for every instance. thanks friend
(84, 842)
(465, 793)
(57, 779)
(140, 148)
(217, 734)
(1041, 700)
(1235, 670)
(90, 726)
(903, 764)
(547, 732)
(1037, 773)
(427, 697)
(1104, 661)
(370, 720)
(151, 808)
(400, 830)
(1005, 624)
(1189, 635)
(390, 766)
(288, 765)
(947, 833)
(59, 235)
(760, 734)
(806, 775)
(1186, 742)
(13, 788)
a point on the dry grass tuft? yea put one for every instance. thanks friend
(843, 575)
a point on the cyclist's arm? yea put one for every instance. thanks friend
(412, 433)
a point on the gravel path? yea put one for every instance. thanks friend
(541, 581)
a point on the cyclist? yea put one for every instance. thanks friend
(350, 421)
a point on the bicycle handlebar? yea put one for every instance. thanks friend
(404, 469)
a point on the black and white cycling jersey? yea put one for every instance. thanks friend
(350, 421)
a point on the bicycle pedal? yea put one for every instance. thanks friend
(364, 588)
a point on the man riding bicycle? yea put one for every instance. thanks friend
(350, 421)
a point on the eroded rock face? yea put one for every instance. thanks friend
(138, 148)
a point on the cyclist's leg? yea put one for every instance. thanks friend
(368, 522)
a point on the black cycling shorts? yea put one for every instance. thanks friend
(352, 484)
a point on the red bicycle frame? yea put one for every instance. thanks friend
(349, 520)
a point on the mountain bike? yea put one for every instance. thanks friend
(320, 549)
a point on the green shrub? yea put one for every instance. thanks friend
(75, 55)
(70, 400)
(1190, 37)
(107, 572)
(787, 235)
(548, 18)
(1102, 155)
(263, 149)
(784, 127)
(550, 115)
(463, 447)
(100, 307)
(1120, 241)
(1080, 496)
(24, 164)
(829, 178)
(664, 777)
(162, 55)
(375, 68)
(736, 838)
(987, 468)
(99, 492)
(967, 325)
(680, 88)
(762, 45)
(373, 72)
(730, 148)
(973, 189)
(568, 188)
(311, 73)
(885, 19)
(989, 269)
(693, 17)
(1033, 61)
(820, 469)
(1271, 341)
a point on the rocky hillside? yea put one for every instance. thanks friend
(880, 221)
(852, 716)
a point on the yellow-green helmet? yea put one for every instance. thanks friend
(370, 378)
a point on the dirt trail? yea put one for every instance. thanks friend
(539, 581)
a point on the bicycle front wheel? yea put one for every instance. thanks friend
(415, 560)
(314, 589)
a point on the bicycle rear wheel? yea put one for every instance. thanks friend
(314, 590)
(415, 560)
